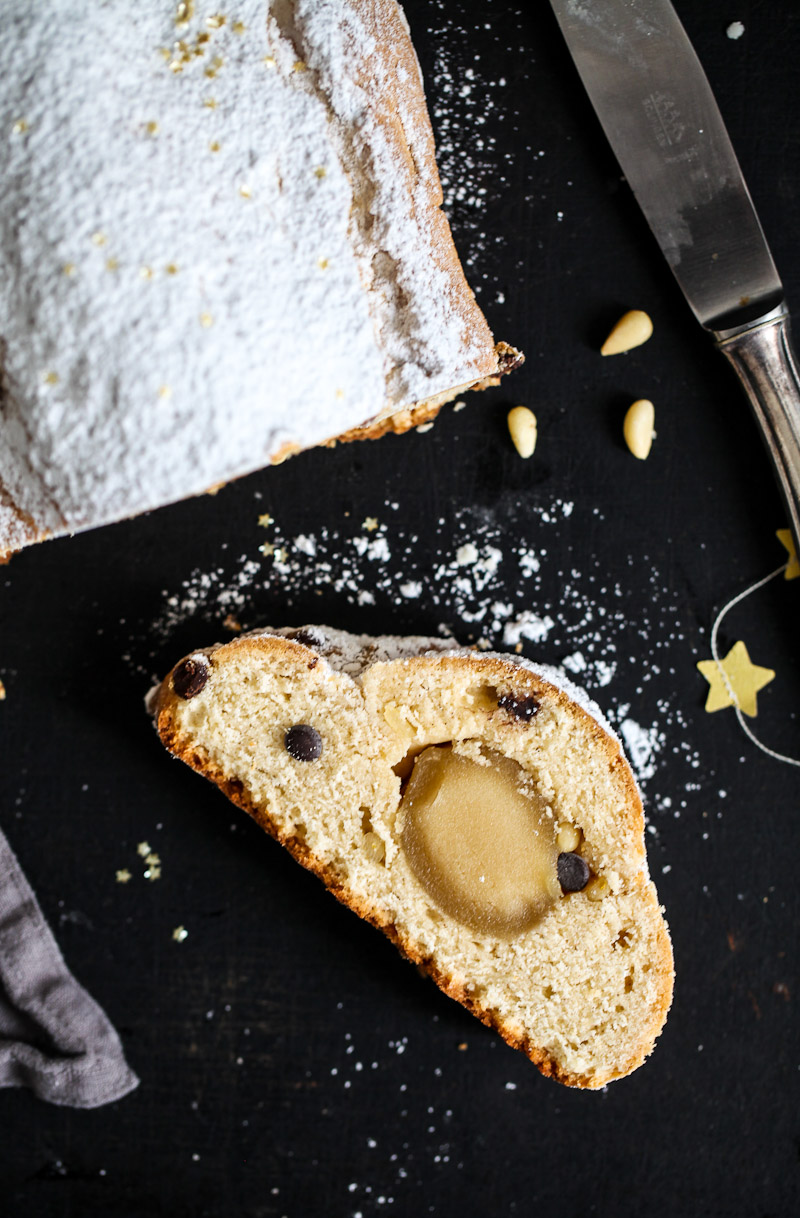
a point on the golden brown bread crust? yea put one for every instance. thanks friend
(508, 359)
(525, 683)
(400, 421)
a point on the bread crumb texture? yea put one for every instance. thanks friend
(585, 990)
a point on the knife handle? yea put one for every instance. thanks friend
(762, 356)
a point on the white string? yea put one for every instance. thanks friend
(731, 692)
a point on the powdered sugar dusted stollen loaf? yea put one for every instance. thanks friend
(326, 740)
(222, 243)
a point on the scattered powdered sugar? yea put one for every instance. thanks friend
(527, 625)
(306, 545)
(467, 555)
(204, 588)
(474, 108)
(390, 1170)
(469, 109)
(642, 746)
(485, 579)
(602, 670)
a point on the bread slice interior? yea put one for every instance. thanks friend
(418, 783)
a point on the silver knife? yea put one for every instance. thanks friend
(659, 114)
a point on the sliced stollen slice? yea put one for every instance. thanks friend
(476, 809)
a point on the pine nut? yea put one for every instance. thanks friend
(638, 428)
(597, 888)
(374, 847)
(632, 329)
(568, 838)
(522, 426)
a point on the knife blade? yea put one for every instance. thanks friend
(657, 109)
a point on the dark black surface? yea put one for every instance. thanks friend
(291, 1063)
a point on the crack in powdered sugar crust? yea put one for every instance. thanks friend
(354, 653)
(179, 255)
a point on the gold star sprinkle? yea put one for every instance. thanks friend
(214, 146)
(152, 859)
(239, 27)
(210, 73)
(20, 127)
(165, 391)
(206, 320)
(267, 548)
(171, 268)
(151, 128)
(735, 681)
(185, 13)
(232, 623)
(281, 555)
(299, 66)
(270, 61)
(152, 873)
(370, 524)
(180, 933)
(123, 876)
(322, 263)
(2, 692)
(68, 268)
(320, 171)
(244, 191)
(210, 103)
(51, 378)
(143, 849)
(215, 22)
(98, 238)
(145, 272)
(265, 520)
(784, 536)
(339, 394)
(112, 264)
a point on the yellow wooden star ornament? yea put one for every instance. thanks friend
(784, 536)
(740, 683)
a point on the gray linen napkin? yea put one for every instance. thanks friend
(54, 1038)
